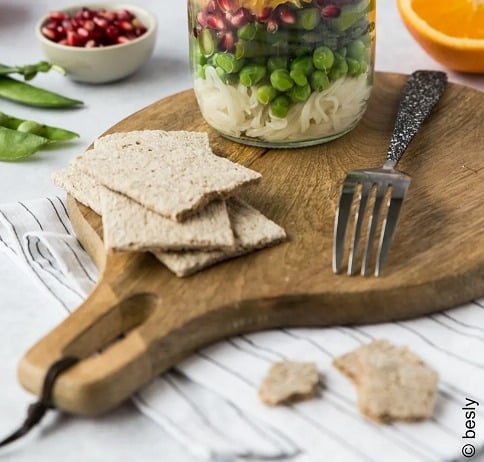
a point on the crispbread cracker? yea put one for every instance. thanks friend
(392, 382)
(288, 382)
(82, 187)
(151, 139)
(129, 226)
(252, 231)
(170, 180)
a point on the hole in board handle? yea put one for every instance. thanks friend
(113, 325)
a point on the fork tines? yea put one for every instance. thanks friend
(377, 196)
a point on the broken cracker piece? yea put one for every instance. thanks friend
(288, 382)
(392, 382)
(396, 385)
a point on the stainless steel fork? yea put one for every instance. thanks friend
(420, 93)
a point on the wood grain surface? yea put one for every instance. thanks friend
(143, 319)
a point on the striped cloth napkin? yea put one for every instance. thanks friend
(209, 402)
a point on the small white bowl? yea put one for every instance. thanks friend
(102, 64)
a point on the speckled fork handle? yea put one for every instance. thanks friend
(419, 95)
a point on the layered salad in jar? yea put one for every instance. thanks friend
(282, 72)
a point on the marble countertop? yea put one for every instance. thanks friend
(123, 435)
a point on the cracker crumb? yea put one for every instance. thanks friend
(289, 382)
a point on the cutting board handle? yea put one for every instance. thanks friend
(103, 334)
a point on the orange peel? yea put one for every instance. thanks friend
(451, 32)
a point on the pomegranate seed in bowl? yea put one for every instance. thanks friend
(88, 27)
(98, 43)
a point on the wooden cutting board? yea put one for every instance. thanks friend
(140, 320)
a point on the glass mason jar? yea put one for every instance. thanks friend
(282, 73)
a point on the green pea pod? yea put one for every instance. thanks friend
(15, 145)
(29, 71)
(30, 126)
(30, 95)
(9, 121)
(51, 133)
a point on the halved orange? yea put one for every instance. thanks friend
(451, 31)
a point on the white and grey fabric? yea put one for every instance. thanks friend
(209, 402)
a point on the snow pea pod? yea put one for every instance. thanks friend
(15, 145)
(29, 71)
(51, 133)
(30, 126)
(30, 95)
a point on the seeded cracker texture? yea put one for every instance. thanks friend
(123, 218)
(152, 139)
(168, 179)
(288, 382)
(252, 231)
(392, 382)
(82, 187)
(130, 226)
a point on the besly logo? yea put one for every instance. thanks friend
(468, 450)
